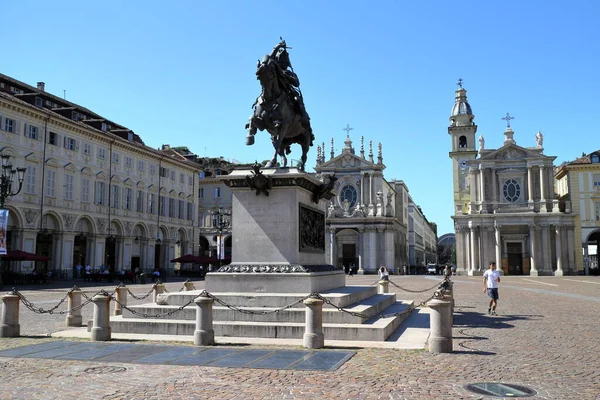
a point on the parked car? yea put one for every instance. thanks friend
(431, 269)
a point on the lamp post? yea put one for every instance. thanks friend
(221, 220)
(7, 178)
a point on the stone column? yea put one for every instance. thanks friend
(9, 321)
(530, 185)
(313, 332)
(559, 268)
(482, 199)
(542, 190)
(532, 245)
(121, 296)
(361, 249)
(372, 260)
(371, 206)
(101, 322)
(498, 246)
(74, 316)
(483, 243)
(440, 337)
(571, 249)
(204, 335)
(467, 253)
(473, 248)
(383, 286)
(332, 246)
(494, 187)
(472, 190)
(546, 258)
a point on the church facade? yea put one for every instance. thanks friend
(504, 204)
(368, 220)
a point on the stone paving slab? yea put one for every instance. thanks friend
(321, 360)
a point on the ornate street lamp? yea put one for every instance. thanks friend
(7, 179)
(221, 220)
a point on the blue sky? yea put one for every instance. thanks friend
(182, 73)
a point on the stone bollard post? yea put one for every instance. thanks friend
(74, 316)
(121, 296)
(204, 335)
(101, 323)
(9, 321)
(451, 292)
(383, 286)
(313, 332)
(159, 288)
(440, 322)
(188, 285)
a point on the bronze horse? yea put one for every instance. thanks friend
(275, 111)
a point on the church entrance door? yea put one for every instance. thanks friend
(515, 258)
(349, 259)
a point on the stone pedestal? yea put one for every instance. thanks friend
(313, 332)
(101, 322)
(440, 338)
(74, 316)
(278, 239)
(9, 320)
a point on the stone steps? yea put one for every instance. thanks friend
(373, 329)
(370, 306)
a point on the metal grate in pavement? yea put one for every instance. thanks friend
(320, 360)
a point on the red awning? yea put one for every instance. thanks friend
(19, 255)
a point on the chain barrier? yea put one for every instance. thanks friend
(146, 315)
(326, 301)
(204, 293)
(140, 297)
(38, 310)
(413, 291)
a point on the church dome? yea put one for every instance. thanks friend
(461, 105)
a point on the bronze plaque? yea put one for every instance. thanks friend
(311, 229)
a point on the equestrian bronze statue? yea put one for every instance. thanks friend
(279, 108)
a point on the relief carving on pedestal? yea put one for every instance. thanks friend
(69, 220)
(30, 215)
(101, 223)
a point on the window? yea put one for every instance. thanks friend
(87, 148)
(68, 187)
(181, 209)
(595, 158)
(50, 183)
(201, 193)
(71, 144)
(115, 196)
(53, 138)
(511, 190)
(128, 162)
(101, 153)
(39, 102)
(104, 126)
(162, 205)
(462, 141)
(151, 203)
(100, 193)
(30, 179)
(172, 175)
(163, 172)
(128, 199)
(181, 178)
(85, 190)
(172, 208)
(139, 201)
(597, 182)
(201, 219)
(349, 193)
(9, 125)
(597, 206)
(115, 158)
(140, 165)
(190, 211)
(152, 170)
(32, 132)
(190, 180)
(217, 193)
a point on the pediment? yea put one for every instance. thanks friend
(347, 161)
(33, 158)
(511, 152)
(70, 167)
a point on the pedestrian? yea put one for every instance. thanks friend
(79, 268)
(383, 274)
(447, 271)
(491, 278)
(88, 273)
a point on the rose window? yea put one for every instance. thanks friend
(511, 190)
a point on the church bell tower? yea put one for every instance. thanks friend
(462, 131)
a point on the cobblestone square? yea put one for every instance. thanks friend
(546, 337)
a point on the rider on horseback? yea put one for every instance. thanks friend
(290, 82)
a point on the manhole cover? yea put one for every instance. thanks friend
(107, 369)
(500, 389)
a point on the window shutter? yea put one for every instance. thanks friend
(76, 145)
(65, 142)
(95, 192)
(25, 130)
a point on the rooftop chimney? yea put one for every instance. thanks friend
(41, 86)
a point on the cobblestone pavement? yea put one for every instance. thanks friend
(546, 337)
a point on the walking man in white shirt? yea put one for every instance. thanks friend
(491, 278)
